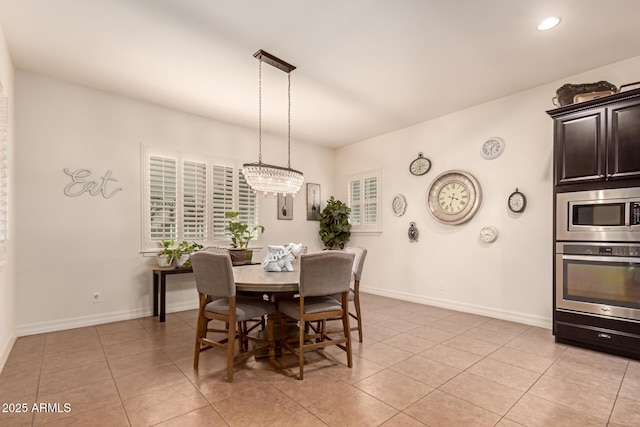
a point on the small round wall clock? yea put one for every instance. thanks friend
(492, 148)
(399, 205)
(454, 197)
(517, 202)
(489, 234)
(420, 165)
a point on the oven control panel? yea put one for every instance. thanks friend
(601, 250)
(634, 213)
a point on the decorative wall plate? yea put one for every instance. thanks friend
(492, 148)
(454, 197)
(399, 205)
(489, 234)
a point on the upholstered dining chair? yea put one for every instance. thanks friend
(218, 301)
(354, 291)
(322, 275)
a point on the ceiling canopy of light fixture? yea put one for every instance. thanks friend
(261, 176)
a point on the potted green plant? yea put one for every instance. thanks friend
(335, 228)
(240, 235)
(167, 253)
(184, 251)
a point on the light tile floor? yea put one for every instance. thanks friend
(419, 365)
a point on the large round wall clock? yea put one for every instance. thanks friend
(454, 197)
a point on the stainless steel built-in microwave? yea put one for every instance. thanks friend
(599, 215)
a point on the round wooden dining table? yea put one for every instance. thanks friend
(254, 278)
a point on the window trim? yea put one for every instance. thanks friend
(362, 228)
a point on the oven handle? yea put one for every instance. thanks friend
(626, 260)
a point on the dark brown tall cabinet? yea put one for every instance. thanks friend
(597, 141)
(596, 152)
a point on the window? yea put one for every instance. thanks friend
(364, 201)
(186, 198)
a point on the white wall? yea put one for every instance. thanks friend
(69, 247)
(450, 266)
(7, 270)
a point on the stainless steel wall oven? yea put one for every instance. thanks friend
(598, 278)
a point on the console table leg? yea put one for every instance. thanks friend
(155, 294)
(163, 297)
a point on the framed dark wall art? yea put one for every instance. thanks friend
(313, 201)
(285, 206)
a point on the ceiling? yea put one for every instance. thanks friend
(364, 67)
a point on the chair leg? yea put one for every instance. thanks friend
(346, 328)
(230, 345)
(242, 344)
(301, 350)
(356, 302)
(201, 332)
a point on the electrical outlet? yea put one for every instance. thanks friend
(97, 297)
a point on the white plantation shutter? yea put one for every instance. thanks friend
(355, 202)
(370, 201)
(246, 202)
(186, 197)
(364, 201)
(163, 193)
(194, 200)
(222, 194)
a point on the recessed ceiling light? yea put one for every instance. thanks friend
(548, 23)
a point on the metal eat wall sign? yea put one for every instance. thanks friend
(80, 184)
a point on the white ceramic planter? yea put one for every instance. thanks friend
(162, 261)
(182, 260)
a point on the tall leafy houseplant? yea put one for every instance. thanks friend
(335, 228)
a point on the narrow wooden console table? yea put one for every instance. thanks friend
(160, 284)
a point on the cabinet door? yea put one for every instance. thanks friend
(623, 140)
(580, 147)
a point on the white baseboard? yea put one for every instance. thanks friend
(541, 322)
(80, 322)
(6, 350)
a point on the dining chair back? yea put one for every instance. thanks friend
(358, 266)
(323, 275)
(213, 272)
(218, 301)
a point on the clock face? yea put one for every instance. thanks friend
(517, 201)
(420, 165)
(492, 148)
(489, 234)
(454, 197)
